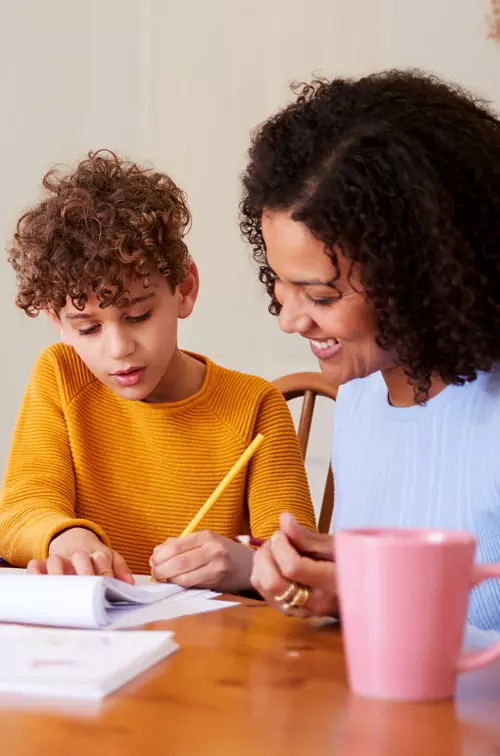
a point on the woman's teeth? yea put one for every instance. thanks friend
(326, 344)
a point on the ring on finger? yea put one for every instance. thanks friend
(288, 594)
(299, 599)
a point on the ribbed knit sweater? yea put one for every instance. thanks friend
(136, 473)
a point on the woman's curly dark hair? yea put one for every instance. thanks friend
(402, 171)
(108, 222)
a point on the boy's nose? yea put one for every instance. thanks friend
(120, 345)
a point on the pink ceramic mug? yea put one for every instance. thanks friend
(403, 602)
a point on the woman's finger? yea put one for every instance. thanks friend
(306, 541)
(297, 568)
(317, 575)
(271, 584)
(269, 580)
(266, 576)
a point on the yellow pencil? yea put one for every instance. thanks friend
(238, 465)
(241, 462)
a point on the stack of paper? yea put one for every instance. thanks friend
(75, 663)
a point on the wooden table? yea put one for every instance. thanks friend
(249, 681)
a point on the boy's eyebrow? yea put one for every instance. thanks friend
(130, 303)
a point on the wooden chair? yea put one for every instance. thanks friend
(309, 386)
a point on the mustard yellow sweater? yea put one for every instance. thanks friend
(136, 473)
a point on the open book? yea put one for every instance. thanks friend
(75, 663)
(95, 602)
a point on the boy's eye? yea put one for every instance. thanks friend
(139, 318)
(130, 319)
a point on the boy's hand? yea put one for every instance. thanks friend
(205, 560)
(78, 551)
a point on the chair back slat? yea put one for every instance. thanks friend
(305, 421)
(325, 516)
(309, 386)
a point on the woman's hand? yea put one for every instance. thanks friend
(205, 560)
(78, 551)
(280, 563)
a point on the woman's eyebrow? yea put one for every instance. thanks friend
(314, 282)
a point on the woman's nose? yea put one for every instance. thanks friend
(293, 320)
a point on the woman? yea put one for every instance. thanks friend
(373, 210)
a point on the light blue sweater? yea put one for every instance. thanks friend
(436, 466)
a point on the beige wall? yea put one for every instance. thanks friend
(182, 84)
(447, 37)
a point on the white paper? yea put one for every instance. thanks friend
(75, 663)
(37, 599)
(94, 602)
(12, 571)
(166, 610)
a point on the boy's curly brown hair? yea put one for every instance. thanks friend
(108, 222)
(402, 171)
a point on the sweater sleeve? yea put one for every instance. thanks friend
(277, 480)
(37, 501)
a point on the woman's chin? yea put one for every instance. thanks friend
(335, 373)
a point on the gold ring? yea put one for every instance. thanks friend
(299, 599)
(289, 593)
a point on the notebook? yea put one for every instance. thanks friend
(75, 663)
(96, 602)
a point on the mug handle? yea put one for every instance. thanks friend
(476, 659)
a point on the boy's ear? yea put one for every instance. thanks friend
(55, 320)
(187, 291)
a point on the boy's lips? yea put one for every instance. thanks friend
(129, 377)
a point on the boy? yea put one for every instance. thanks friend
(122, 436)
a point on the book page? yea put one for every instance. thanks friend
(96, 602)
(52, 600)
(163, 611)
